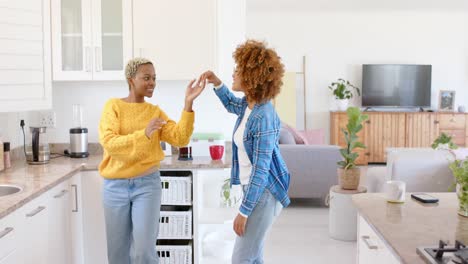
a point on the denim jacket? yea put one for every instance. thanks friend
(261, 144)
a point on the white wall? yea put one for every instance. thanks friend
(337, 43)
(210, 116)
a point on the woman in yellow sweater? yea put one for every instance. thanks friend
(130, 132)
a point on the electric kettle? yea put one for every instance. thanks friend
(37, 151)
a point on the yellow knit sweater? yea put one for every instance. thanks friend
(127, 150)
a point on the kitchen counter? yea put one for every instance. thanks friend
(404, 227)
(37, 179)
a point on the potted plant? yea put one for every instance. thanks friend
(228, 197)
(459, 169)
(444, 142)
(343, 91)
(348, 172)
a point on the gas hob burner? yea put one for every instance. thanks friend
(444, 254)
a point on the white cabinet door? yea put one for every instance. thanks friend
(59, 247)
(15, 257)
(178, 36)
(71, 40)
(76, 219)
(10, 234)
(36, 229)
(25, 60)
(95, 246)
(112, 38)
(372, 249)
(91, 40)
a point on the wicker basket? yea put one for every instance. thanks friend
(175, 225)
(176, 190)
(349, 179)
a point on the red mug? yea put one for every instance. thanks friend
(216, 152)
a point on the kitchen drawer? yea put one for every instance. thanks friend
(372, 249)
(9, 233)
(458, 135)
(452, 121)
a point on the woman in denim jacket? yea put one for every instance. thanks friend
(256, 158)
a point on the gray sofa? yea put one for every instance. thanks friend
(312, 168)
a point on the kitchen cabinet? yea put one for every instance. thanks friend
(36, 230)
(370, 247)
(59, 244)
(94, 228)
(178, 36)
(76, 219)
(91, 39)
(14, 257)
(10, 235)
(25, 60)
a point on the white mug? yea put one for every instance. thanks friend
(395, 191)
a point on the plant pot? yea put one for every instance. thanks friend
(349, 179)
(462, 194)
(342, 104)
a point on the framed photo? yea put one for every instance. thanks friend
(446, 100)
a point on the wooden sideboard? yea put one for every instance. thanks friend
(400, 129)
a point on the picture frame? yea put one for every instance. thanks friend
(446, 101)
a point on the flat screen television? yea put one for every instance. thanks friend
(396, 85)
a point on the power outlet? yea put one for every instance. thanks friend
(48, 119)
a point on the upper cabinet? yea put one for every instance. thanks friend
(25, 59)
(178, 36)
(91, 39)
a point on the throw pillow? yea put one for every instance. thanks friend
(294, 132)
(313, 136)
(286, 137)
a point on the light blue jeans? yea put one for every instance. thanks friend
(248, 249)
(132, 209)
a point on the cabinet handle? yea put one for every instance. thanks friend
(87, 59)
(36, 211)
(62, 193)
(76, 197)
(98, 59)
(6, 231)
(452, 120)
(370, 245)
(436, 122)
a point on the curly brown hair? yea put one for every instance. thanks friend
(260, 70)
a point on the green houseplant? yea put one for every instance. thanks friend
(444, 142)
(343, 91)
(228, 197)
(348, 172)
(459, 169)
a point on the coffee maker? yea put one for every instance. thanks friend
(78, 135)
(38, 152)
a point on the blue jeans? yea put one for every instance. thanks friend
(248, 249)
(132, 209)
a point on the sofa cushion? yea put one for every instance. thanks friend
(297, 138)
(286, 137)
(313, 136)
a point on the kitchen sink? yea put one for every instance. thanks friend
(9, 189)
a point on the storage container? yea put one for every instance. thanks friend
(172, 254)
(175, 225)
(176, 190)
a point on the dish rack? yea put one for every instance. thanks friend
(172, 254)
(176, 190)
(175, 225)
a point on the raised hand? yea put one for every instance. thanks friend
(210, 77)
(153, 125)
(192, 92)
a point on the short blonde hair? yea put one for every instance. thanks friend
(132, 66)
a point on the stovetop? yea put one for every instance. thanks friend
(444, 253)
